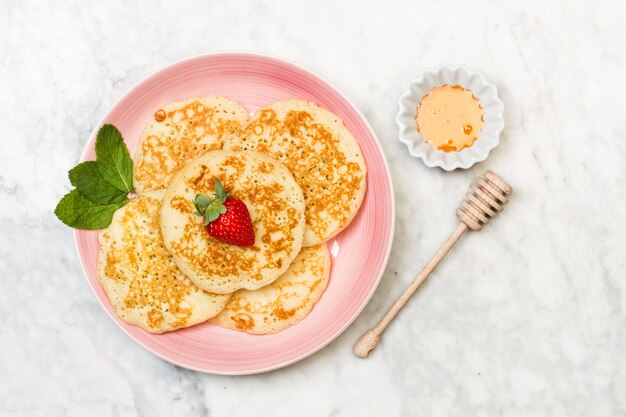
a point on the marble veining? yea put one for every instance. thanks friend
(525, 318)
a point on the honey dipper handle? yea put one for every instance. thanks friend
(368, 341)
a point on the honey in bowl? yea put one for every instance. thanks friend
(450, 118)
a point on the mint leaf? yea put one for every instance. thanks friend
(80, 213)
(114, 161)
(88, 180)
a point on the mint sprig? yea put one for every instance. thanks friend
(102, 186)
(211, 208)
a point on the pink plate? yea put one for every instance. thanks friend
(359, 254)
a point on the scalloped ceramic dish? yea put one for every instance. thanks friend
(486, 92)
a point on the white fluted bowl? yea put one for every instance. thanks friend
(460, 75)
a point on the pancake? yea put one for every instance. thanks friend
(322, 154)
(180, 132)
(284, 302)
(139, 276)
(276, 207)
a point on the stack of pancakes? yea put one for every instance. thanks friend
(302, 176)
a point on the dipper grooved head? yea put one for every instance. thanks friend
(484, 201)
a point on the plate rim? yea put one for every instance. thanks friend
(331, 338)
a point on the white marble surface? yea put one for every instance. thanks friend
(527, 318)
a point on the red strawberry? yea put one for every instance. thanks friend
(226, 218)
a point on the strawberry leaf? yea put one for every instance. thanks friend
(219, 191)
(210, 217)
(202, 202)
(211, 208)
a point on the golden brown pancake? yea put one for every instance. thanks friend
(180, 132)
(276, 207)
(284, 302)
(139, 276)
(322, 154)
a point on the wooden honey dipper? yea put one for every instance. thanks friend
(483, 203)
